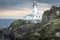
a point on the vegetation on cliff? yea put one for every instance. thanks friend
(28, 31)
(46, 30)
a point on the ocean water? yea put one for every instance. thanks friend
(5, 22)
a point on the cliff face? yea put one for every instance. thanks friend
(50, 14)
(51, 18)
(22, 30)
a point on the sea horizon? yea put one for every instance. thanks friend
(4, 23)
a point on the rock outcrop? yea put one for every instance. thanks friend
(46, 30)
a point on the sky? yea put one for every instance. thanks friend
(12, 9)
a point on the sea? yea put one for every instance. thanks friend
(4, 23)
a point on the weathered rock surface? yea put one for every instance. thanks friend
(46, 30)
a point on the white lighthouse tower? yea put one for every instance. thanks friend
(34, 7)
(35, 16)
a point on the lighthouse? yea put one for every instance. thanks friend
(34, 17)
(34, 7)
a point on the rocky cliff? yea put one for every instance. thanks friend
(46, 30)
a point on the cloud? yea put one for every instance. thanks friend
(22, 10)
(4, 4)
(13, 13)
(57, 4)
(48, 1)
(9, 4)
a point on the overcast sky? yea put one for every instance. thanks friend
(17, 8)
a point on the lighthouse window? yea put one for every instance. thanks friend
(33, 16)
(36, 16)
(39, 16)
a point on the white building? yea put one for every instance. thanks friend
(35, 16)
(58, 13)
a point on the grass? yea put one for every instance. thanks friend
(50, 29)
